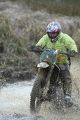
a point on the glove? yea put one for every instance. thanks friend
(71, 53)
(31, 48)
(35, 48)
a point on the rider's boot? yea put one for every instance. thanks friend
(67, 93)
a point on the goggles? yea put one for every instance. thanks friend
(52, 35)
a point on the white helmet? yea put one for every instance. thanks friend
(53, 29)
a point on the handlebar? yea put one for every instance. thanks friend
(40, 50)
(54, 51)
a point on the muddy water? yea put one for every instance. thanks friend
(14, 101)
(15, 97)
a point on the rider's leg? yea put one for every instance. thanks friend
(67, 84)
(53, 82)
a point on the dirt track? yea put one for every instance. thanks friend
(15, 98)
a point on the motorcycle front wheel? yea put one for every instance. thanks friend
(35, 100)
(37, 90)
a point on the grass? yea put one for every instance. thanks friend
(13, 45)
(15, 41)
(66, 7)
(27, 30)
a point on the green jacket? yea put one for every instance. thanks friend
(64, 42)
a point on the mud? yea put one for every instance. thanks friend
(15, 98)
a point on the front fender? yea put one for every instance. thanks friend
(43, 65)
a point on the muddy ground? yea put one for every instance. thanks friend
(15, 101)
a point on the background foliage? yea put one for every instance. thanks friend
(66, 7)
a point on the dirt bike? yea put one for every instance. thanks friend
(38, 93)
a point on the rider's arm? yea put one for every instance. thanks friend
(71, 46)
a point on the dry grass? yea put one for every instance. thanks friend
(66, 7)
(28, 29)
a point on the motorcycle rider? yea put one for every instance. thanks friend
(57, 40)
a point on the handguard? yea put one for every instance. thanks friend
(34, 48)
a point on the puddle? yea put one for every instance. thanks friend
(15, 97)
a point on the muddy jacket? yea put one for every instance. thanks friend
(64, 43)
